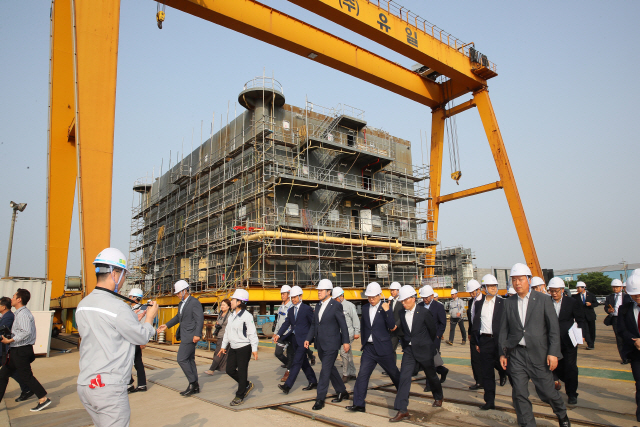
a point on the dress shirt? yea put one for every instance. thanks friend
(636, 312)
(617, 303)
(184, 301)
(486, 316)
(557, 306)
(323, 305)
(372, 314)
(473, 306)
(409, 317)
(522, 311)
(24, 328)
(428, 305)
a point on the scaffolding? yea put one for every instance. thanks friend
(455, 266)
(283, 195)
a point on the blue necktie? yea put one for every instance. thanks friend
(295, 313)
(584, 298)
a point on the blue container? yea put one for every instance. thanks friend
(264, 318)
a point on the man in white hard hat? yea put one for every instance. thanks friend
(456, 310)
(485, 335)
(474, 288)
(511, 291)
(611, 305)
(135, 294)
(569, 312)
(377, 322)
(530, 347)
(190, 316)
(294, 329)
(105, 321)
(588, 302)
(628, 315)
(353, 325)
(440, 316)
(329, 332)
(396, 308)
(538, 285)
(418, 346)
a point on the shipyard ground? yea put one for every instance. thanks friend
(606, 394)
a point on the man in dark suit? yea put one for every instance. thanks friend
(485, 334)
(611, 305)
(377, 322)
(440, 316)
(569, 312)
(328, 331)
(396, 308)
(629, 330)
(588, 302)
(191, 319)
(7, 320)
(473, 287)
(295, 329)
(418, 345)
(530, 347)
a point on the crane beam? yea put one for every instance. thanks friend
(276, 28)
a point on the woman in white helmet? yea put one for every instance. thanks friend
(242, 338)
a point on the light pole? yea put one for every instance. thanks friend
(16, 207)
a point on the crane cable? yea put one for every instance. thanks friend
(451, 129)
(160, 15)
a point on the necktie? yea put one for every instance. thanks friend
(584, 298)
(295, 313)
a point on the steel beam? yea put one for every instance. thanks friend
(470, 192)
(459, 108)
(276, 28)
(435, 181)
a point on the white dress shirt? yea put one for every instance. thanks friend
(323, 305)
(184, 301)
(409, 317)
(372, 313)
(522, 311)
(617, 303)
(486, 316)
(557, 306)
(473, 306)
(636, 312)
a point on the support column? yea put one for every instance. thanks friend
(96, 29)
(499, 152)
(61, 153)
(435, 180)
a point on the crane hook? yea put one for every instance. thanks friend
(160, 18)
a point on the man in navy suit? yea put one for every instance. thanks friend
(611, 305)
(295, 329)
(629, 331)
(328, 331)
(440, 316)
(377, 348)
(474, 288)
(7, 320)
(588, 302)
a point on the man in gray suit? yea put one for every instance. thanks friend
(529, 347)
(191, 319)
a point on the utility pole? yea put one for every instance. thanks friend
(16, 207)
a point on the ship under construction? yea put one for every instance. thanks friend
(283, 195)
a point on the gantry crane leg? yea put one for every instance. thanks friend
(435, 181)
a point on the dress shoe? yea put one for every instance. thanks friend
(311, 386)
(341, 397)
(130, 381)
(624, 362)
(355, 408)
(573, 400)
(345, 379)
(385, 373)
(558, 385)
(443, 376)
(193, 389)
(400, 416)
(24, 396)
(487, 406)
(318, 405)
(283, 366)
(475, 387)
(188, 388)
(427, 388)
(313, 360)
(437, 403)
(284, 377)
(353, 377)
(589, 348)
(464, 342)
(503, 381)
(284, 388)
(449, 342)
(564, 422)
(133, 389)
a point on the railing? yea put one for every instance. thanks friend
(264, 82)
(372, 145)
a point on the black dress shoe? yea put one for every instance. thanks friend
(312, 361)
(182, 393)
(283, 366)
(443, 376)
(284, 388)
(564, 422)
(341, 397)
(475, 387)
(503, 381)
(319, 405)
(385, 373)
(194, 388)
(355, 408)
(311, 386)
(487, 406)
(24, 396)
(573, 400)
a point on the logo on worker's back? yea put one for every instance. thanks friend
(350, 5)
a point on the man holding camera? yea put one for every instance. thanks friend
(23, 331)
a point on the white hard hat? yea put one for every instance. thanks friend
(520, 269)
(580, 285)
(537, 281)
(325, 284)
(616, 282)
(489, 279)
(426, 291)
(295, 291)
(556, 283)
(112, 257)
(395, 285)
(454, 291)
(136, 292)
(406, 292)
(180, 285)
(636, 272)
(241, 294)
(336, 292)
(472, 285)
(511, 291)
(285, 288)
(633, 284)
(374, 289)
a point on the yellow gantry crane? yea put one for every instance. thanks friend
(84, 55)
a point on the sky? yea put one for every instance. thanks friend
(566, 100)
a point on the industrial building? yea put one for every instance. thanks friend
(284, 195)
(615, 271)
(454, 267)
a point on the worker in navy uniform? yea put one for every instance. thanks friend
(328, 331)
(418, 346)
(569, 312)
(529, 346)
(485, 334)
(377, 323)
(294, 330)
(611, 305)
(588, 302)
(190, 316)
(629, 331)
(440, 316)
(474, 289)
